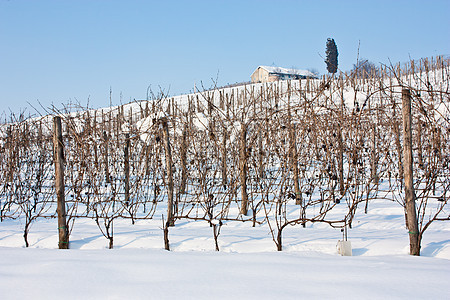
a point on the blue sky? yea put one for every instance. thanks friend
(60, 51)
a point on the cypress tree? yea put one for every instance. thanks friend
(332, 56)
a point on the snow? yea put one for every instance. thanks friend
(247, 266)
(144, 126)
(156, 274)
(287, 71)
(126, 127)
(200, 121)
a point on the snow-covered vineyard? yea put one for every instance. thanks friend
(291, 165)
(276, 156)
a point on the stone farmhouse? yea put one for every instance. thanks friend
(269, 74)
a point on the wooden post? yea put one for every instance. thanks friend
(293, 157)
(294, 164)
(243, 168)
(126, 154)
(168, 153)
(210, 104)
(341, 144)
(224, 157)
(94, 144)
(341, 161)
(183, 155)
(9, 145)
(58, 157)
(260, 155)
(374, 160)
(106, 156)
(166, 234)
(222, 105)
(410, 197)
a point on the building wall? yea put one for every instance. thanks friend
(272, 78)
(260, 75)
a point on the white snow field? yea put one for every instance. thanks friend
(247, 266)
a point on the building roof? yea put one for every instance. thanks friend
(279, 70)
